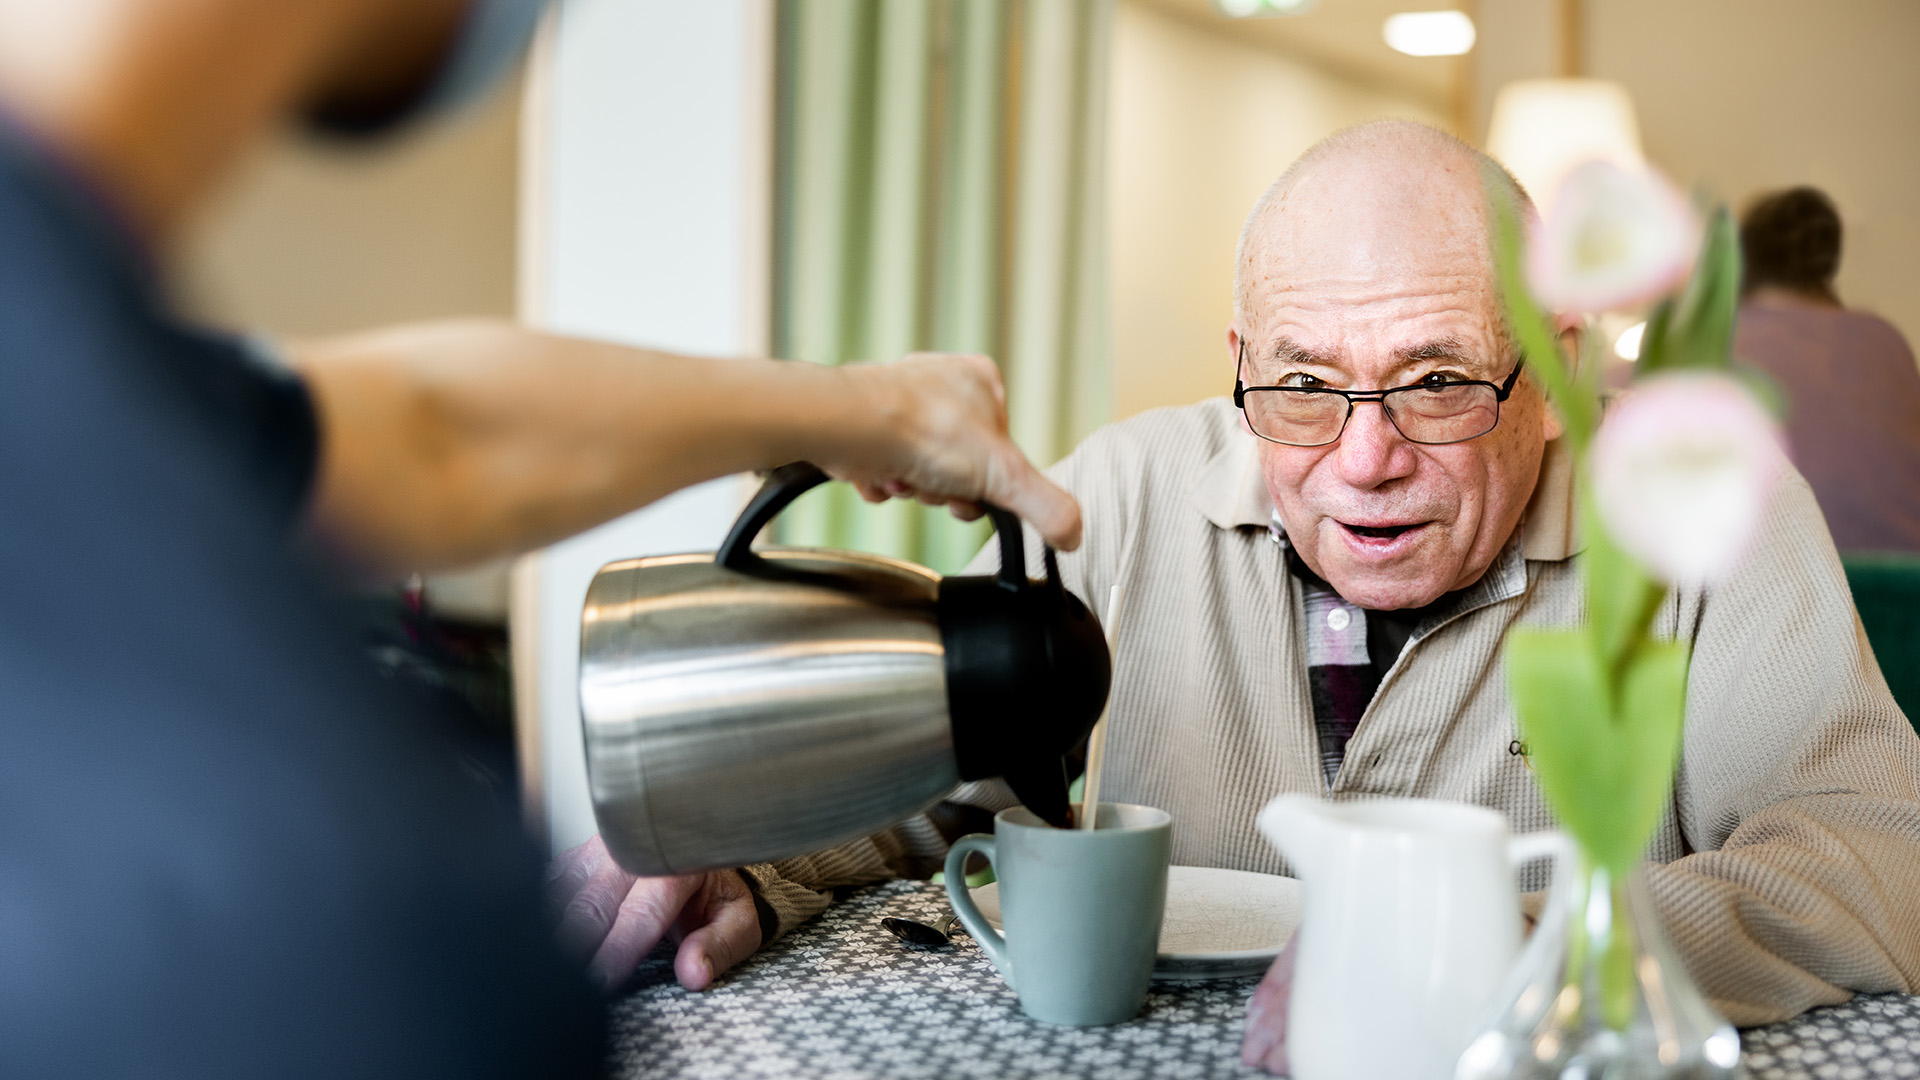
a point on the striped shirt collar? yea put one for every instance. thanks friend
(1230, 492)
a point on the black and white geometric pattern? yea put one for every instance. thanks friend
(1865, 1039)
(841, 999)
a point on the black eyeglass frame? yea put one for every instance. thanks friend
(1501, 391)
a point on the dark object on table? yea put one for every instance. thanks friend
(725, 698)
(1886, 592)
(920, 935)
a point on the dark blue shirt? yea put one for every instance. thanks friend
(225, 848)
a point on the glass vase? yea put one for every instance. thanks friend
(1599, 994)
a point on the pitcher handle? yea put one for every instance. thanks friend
(991, 941)
(1545, 844)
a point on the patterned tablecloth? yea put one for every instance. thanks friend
(841, 999)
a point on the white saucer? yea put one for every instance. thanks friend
(1219, 924)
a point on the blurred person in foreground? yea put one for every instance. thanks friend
(1319, 607)
(229, 850)
(1853, 392)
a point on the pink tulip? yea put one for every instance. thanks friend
(1612, 239)
(1682, 468)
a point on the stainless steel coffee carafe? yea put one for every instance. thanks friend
(751, 705)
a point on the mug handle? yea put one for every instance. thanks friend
(1545, 844)
(991, 941)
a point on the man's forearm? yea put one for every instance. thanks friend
(1808, 901)
(797, 889)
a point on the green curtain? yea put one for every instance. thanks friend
(940, 179)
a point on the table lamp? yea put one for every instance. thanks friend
(1542, 128)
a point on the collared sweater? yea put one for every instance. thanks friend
(1787, 867)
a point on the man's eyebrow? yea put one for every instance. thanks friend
(1288, 351)
(1438, 349)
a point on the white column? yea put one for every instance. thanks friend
(646, 212)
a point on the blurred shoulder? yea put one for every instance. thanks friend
(1876, 333)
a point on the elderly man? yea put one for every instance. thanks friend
(1320, 608)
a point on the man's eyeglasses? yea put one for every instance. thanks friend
(1431, 413)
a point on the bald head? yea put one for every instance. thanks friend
(1397, 169)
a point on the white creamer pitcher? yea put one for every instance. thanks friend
(1412, 920)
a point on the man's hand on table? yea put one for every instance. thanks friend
(612, 919)
(1265, 1045)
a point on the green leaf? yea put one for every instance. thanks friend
(1532, 331)
(1654, 353)
(1701, 332)
(1605, 763)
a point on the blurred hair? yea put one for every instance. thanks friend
(1790, 239)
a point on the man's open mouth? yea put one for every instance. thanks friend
(1380, 532)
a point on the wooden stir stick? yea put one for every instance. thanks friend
(1097, 740)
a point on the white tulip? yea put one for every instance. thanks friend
(1612, 239)
(1682, 468)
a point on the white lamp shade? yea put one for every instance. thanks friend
(1542, 128)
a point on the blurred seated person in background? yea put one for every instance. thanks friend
(230, 851)
(1328, 618)
(1853, 392)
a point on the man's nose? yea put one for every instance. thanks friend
(1372, 451)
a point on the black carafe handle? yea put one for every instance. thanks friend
(790, 481)
(781, 487)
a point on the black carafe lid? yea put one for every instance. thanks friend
(1027, 674)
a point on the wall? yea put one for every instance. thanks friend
(1741, 96)
(315, 236)
(1201, 124)
(648, 189)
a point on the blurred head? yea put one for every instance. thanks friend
(452, 53)
(1791, 240)
(154, 100)
(1368, 266)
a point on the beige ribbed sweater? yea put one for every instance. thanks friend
(1788, 869)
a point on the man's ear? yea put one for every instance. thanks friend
(1570, 339)
(1570, 330)
(1233, 359)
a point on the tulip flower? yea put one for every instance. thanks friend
(1682, 468)
(1613, 239)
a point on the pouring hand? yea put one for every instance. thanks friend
(1265, 1045)
(942, 422)
(613, 919)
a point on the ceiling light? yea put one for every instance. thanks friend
(1627, 345)
(1244, 9)
(1429, 33)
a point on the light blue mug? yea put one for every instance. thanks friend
(1080, 909)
